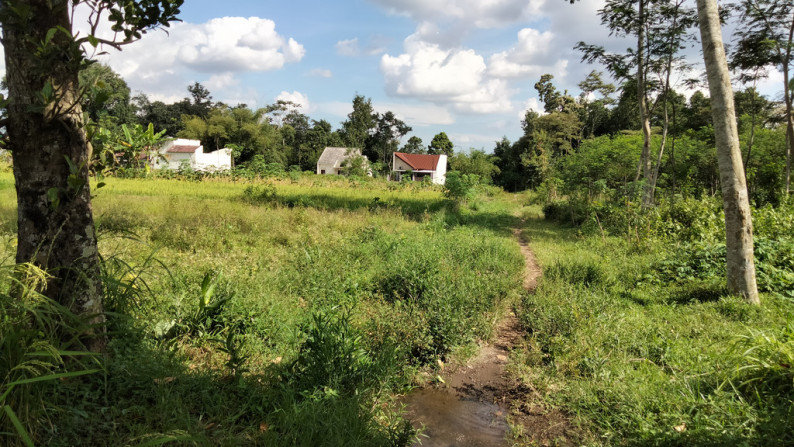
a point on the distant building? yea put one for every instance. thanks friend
(175, 153)
(420, 166)
(332, 161)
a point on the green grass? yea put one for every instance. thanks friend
(289, 312)
(223, 301)
(636, 361)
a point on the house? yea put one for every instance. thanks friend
(332, 160)
(179, 152)
(420, 166)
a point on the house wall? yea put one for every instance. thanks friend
(440, 174)
(174, 161)
(329, 168)
(400, 165)
(220, 160)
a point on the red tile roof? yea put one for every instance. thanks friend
(183, 149)
(419, 162)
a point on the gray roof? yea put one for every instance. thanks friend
(334, 156)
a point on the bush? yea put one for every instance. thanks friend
(460, 187)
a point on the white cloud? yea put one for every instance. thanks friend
(221, 81)
(480, 13)
(161, 63)
(772, 85)
(501, 66)
(455, 77)
(417, 115)
(321, 73)
(465, 141)
(531, 104)
(352, 48)
(335, 108)
(233, 44)
(428, 71)
(348, 47)
(530, 57)
(297, 98)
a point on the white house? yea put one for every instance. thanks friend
(333, 159)
(420, 166)
(175, 153)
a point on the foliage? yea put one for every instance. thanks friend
(647, 362)
(440, 145)
(35, 335)
(342, 290)
(476, 162)
(460, 187)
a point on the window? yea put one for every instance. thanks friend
(322, 171)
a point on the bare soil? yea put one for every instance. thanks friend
(471, 407)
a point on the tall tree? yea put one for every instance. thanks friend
(595, 112)
(360, 123)
(51, 153)
(384, 141)
(440, 145)
(201, 100)
(659, 27)
(738, 220)
(766, 38)
(414, 146)
(106, 96)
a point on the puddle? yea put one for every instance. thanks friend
(466, 413)
(451, 419)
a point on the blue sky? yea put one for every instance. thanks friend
(464, 67)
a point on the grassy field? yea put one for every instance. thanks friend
(291, 312)
(277, 313)
(637, 359)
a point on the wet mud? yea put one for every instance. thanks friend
(470, 409)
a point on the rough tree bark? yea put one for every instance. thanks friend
(738, 221)
(50, 156)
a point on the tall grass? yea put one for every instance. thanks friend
(637, 360)
(286, 315)
(37, 340)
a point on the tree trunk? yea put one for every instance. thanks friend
(788, 100)
(752, 137)
(738, 220)
(645, 157)
(51, 156)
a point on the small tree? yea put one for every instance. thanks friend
(356, 165)
(460, 188)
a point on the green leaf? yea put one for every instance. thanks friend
(53, 197)
(50, 34)
(46, 91)
(18, 425)
(93, 41)
(55, 376)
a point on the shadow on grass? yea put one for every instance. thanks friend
(153, 394)
(417, 210)
(413, 208)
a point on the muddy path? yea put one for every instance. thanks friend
(471, 407)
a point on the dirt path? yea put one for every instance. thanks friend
(470, 408)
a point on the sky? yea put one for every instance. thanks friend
(464, 67)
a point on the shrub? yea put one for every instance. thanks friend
(460, 187)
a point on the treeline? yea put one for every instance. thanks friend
(278, 133)
(586, 143)
(592, 143)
